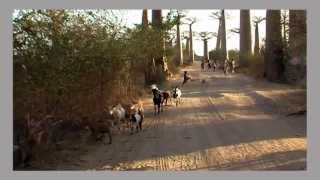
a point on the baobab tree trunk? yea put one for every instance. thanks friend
(273, 51)
(223, 36)
(179, 47)
(205, 49)
(159, 58)
(285, 30)
(148, 71)
(145, 18)
(188, 46)
(191, 53)
(296, 65)
(256, 40)
(156, 18)
(245, 38)
(218, 43)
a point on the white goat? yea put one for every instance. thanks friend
(177, 95)
(136, 116)
(119, 114)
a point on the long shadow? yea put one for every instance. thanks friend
(204, 109)
(289, 160)
(217, 132)
(213, 134)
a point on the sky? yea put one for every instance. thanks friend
(206, 23)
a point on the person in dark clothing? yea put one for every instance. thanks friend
(186, 77)
(202, 65)
(214, 65)
(209, 65)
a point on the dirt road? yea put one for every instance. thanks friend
(227, 123)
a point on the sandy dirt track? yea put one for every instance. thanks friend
(229, 122)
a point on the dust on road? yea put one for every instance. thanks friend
(229, 122)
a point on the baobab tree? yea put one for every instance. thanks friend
(285, 27)
(273, 50)
(187, 38)
(223, 36)
(190, 22)
(221, 43)
(178, 16)
(245, 37)
(159, 58)
(256, 20)
(145, 18)
(217, 16)
(205, 36)
(296, 66)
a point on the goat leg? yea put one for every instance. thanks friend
(110, 137)
(140, 124)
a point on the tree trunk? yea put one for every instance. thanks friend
(273, 52)
(218, 43)
(101, 89)
(191, 53)
(156, 18)
(256, 40)
(284, 26)
(205, 49)
(180, 52)
(245, 38)
(296, 65)
(159, 59)
(145, 18)
(223, 36)
(188, 47)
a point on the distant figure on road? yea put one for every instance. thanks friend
(214, 65)
(202, 65)
(209, 65)
(226, 66)
(233, 65)
(186, 77)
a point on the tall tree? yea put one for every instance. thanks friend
(179, 15)
(217, 15)
(157, 18)
(159, 58)
(285, 27)
(245, 37)
(179, 46)
(296, 66)
(223, 35)
(187, 38)
(191, 21)
(218, 43)
(145, 17)
(273, 50)
(205, 36)
(256, 22)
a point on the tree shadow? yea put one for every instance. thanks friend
(200, 137)
(289, 160)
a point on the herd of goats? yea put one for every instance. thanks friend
(120, 116)
(133, 114)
